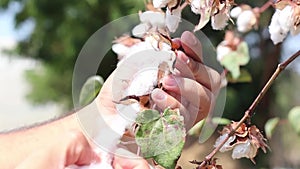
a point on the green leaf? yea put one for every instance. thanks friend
(90, 90)
(270, 126)
(221, 121)
(196, 129)
(233, 60)
(161, 136)
(244, 77)
(147, 116)
(168, 159)
(294, 118)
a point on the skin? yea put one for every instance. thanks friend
(60, 143)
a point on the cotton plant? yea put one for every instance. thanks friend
(246, 17)
(154, 130)
(232, 53)
(285, 19)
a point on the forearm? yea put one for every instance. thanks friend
(16, 146)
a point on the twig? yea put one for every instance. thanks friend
(265, 6)
(249, 112)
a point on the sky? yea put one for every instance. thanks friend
(15, 110)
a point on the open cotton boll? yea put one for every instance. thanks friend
(160, 3)
(285, 19)
(245, 21)
(173, 19)
(120, 49)
(137, 75)
(143, 82)
(155, 19)
(246, 149)
(227, 146)
(140, 30)
(196, 6)
(222, 50)
(219, 21)
(277, 34)
(235, 12)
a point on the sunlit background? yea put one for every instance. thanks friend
(40, 40)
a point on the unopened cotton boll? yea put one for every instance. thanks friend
(219, 21)
(246, 20)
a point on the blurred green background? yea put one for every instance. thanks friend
(61, 27)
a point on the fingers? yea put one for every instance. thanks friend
(192, 46)
(205, 75)
(79, 151)
(194, 100)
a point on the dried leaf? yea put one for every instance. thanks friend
(281, 4)
(204, 19)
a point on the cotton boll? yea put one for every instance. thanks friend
(172, 19)
(227, 146)
(140, 30)
(160, 3)
(155, 19)
(219, 21)
(120, 49)
(246, 20)
(222, 50)
(246, 149)
(235, 12)
(277, 34)
(285, 19)
(143, 82)
(196, 6)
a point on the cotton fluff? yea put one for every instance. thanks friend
(173, 19)
(219, 21)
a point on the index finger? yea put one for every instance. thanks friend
(192, 46)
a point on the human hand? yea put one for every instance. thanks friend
(194, 87)
(74, 149)
(71, 148)
(193, 90)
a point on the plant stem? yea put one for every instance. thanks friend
(248, 113)
(265, 6)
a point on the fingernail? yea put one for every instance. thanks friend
(169, 81)
(184, 58)
(158, 94)
(192, 40)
